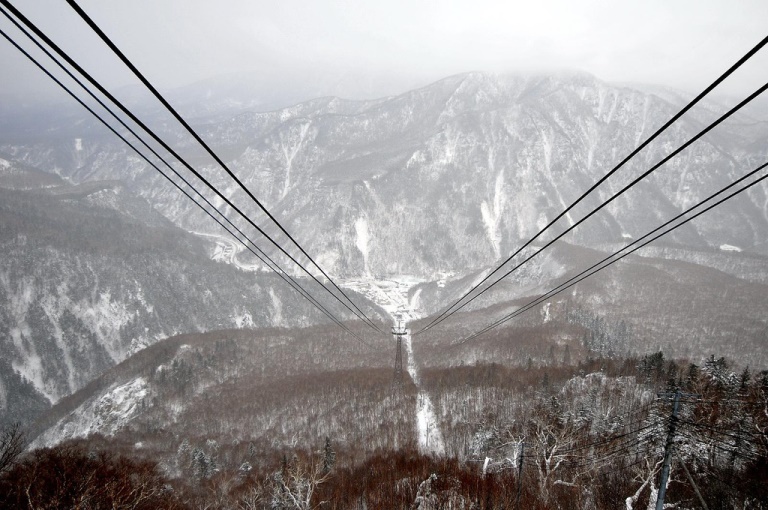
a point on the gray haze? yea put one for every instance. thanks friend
(364, 49)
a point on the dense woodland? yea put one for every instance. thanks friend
(561, 434)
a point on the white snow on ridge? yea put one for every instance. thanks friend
(106, 415)
(729, 247)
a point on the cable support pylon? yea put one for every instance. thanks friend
(399, 332)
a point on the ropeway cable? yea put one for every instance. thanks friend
(594, 268)
(208, 149)
(620, 192)
(143, 126)
(277, 269)
(676, 117)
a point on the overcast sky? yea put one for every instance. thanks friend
(683, 44)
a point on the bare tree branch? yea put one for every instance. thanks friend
(12, 443)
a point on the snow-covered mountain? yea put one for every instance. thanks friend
(90, 274)
(451, 177)
(125, 313)
(438, 183)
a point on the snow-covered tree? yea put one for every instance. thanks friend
(293, 487)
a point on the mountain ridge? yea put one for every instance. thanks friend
(448, 147)
(440, 182)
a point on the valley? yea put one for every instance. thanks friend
(130, 325)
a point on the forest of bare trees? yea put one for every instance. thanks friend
(585, 435)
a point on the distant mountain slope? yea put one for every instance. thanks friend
(90, 274)
(452, 176)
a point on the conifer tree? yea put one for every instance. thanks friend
(329, 456)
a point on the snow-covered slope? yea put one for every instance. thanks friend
(452, 176)
(91, 274)
(437, 183)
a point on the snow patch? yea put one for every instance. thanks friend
(106, 316)
(223, 252)
(361, 240)
(729, 247)
(415, 301)
(245, 320)
(545, 312)
(277, 308)
(289, 153)
(443, 277)
(328, 259)
(78, 144)
(430, 438)
(492, 214)
(3, 395)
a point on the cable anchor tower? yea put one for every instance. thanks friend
(399, 332)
